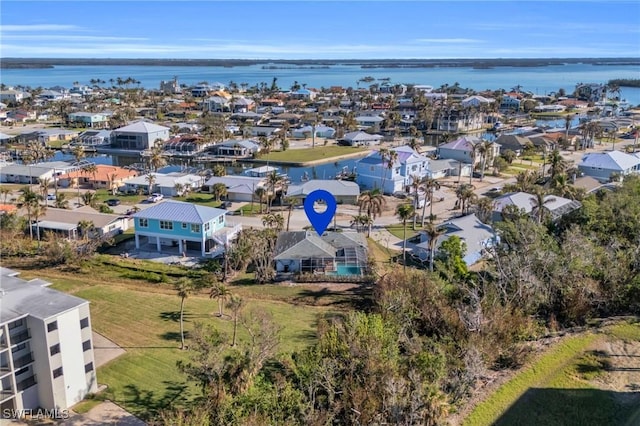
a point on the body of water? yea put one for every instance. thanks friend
(539, 80)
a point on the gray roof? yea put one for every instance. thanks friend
(142, 127)
(336, 187)
(307, 244)
(468, 228)
(181, 211)
(525, 201)
(360, 136)
(72, 217)
(19, 297)
(238, 184)
(613, 160)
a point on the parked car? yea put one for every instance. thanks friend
(113, 202)
(155, 197)
(226, 205)
(51, 197)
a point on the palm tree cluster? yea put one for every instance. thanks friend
(372, 203)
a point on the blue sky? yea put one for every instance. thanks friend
(321, 29)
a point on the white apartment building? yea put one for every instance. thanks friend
(46, 349)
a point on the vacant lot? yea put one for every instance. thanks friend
(589, 379)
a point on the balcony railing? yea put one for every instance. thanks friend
(20, 337)
(23, 360)
(26, 383)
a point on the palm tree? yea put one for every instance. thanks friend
(89, 198)
(156, 158)
(433, 232)
(562, 187)
(5, 194)
(430, 186)
(44, 188)
(415, 185)
(484, 209)
(260, 193)
(151, 181)
(289, 201)
(567, 125)
(557, 164)
(111, 181)
(222, 293)
(539, 202)
(85, 227)
(485, 149)
(219, 190)
(372, 203)
(29, 200)
(404, 213)
(235, 304)
(273, 181)
(90, 169)
(465, 195)
(178, 188)
(37, 210)
(61, 201)
(184, 288)
(274, 221)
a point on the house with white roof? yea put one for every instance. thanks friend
(140, 135)
(601, 165)
(46, 347)
(344, 191)
(236, 148)
(476, 235)
(166, 184)
(239, 188)
(32, 173)
(476, 101)
(374, 172)
(88, 119)
(321, 130)
(556, 206)
(360, 138)
(65, 223)
(462, 148)
(184, 226)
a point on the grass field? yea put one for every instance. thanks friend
(311, 154)
(134, 306)
(398, 230)
(559, 388)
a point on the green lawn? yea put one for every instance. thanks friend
(311, 154)
(146, 325)
(398, 230)
(203, 200)
(103, 195)
(554, 389)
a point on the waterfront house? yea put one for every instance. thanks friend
(88, 119)
(33, 173)
(46, 347)
(462, 149)
(369, 122)
(93, 138)
(360, 138)
(332, 253)
(65, 223)
(456, 121)
(344, 191)
(140, 135)
(167, 184)
(321, 131)
(554, 205)
(239, 188)
(107, 177)
(236, 148)
(185, 144)
(12, 96)
(510, 104)
(476, 101)
(476, 236)
(514, 143)
(184, 226)
(374, 172)
(601, 165)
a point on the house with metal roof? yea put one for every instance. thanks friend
(88, 119)
(601, 165)
(321, 131)
(556, 206)
(65, 223)
(236, 148)
(477, 237)
(374, 171)
(344, 191)
(332, 253)
(239, 188)
(32, 173)
(360, 138)
(166, 184)
(140, 135)
(176, 225)
(46, 347)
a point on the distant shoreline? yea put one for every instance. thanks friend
(35, 63)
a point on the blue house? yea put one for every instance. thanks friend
(185, 226)
(374, 172)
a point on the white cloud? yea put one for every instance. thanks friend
(39, 27)
(70, 38)
(449, 40)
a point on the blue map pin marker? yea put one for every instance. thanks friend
(320, 221)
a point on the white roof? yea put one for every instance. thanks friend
(336, 187)
(614, 160)
(142, 127)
